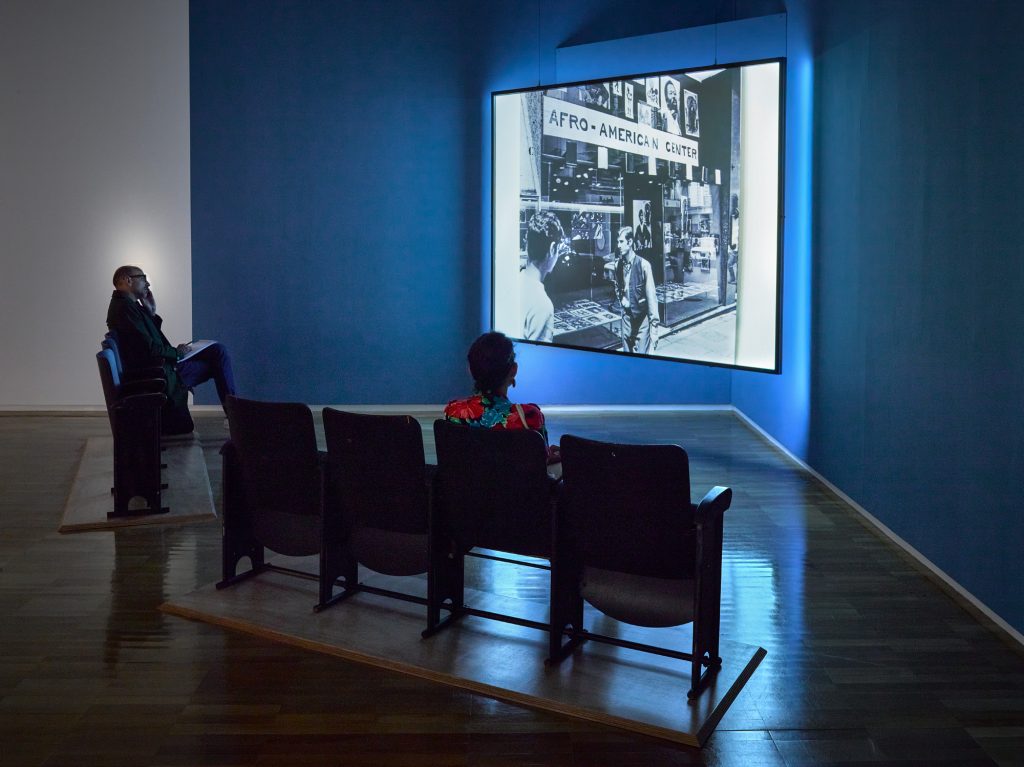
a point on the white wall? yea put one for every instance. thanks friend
(94, 173)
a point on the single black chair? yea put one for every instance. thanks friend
(629, 542)
(134, 411)
(491, 491)
(378, 487)
(274, 487)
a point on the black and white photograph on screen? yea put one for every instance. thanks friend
(670, 112)
(654, 91)
(645, 114)
(641, 225)
(661, 164)
(544, 245)
(691, 114)
(596, 94)
(616, 105)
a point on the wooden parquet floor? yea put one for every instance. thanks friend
(868, 660)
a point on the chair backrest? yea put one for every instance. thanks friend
(110, 342)
(277, 455)
(109, 377)
(377, 470)
(627, 507)
(492, 489)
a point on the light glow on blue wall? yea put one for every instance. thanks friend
(798, 244)
(781, 404)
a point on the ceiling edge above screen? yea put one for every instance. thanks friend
(755, 39)
(654, 203)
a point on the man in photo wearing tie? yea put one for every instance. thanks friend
(634, 290)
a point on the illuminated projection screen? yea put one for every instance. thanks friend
(642, 215)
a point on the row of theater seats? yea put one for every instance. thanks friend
(134, 401)
(618, 528)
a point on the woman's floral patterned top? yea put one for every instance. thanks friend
(487, 411)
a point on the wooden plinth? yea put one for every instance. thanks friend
(187, 495)
(622, 688)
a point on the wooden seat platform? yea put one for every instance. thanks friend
(626, 689)
(187, 496)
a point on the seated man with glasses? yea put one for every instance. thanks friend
(142, 344)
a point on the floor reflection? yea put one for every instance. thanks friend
(137, 581)
(868, 661)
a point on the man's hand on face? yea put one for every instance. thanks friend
(149, 301)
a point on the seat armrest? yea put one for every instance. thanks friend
(713, 505)
(142, 401)
(140, 373)
(143, 386)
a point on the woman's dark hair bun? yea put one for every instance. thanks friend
(490, 359)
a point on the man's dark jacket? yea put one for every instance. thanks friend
(143, 345)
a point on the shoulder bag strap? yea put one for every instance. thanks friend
(522, 416)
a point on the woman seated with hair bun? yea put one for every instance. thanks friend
(492, 363)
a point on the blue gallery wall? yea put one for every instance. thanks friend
(335, 196)
(340, 193)
(917, 389)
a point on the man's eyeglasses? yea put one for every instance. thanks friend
(136, 276)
